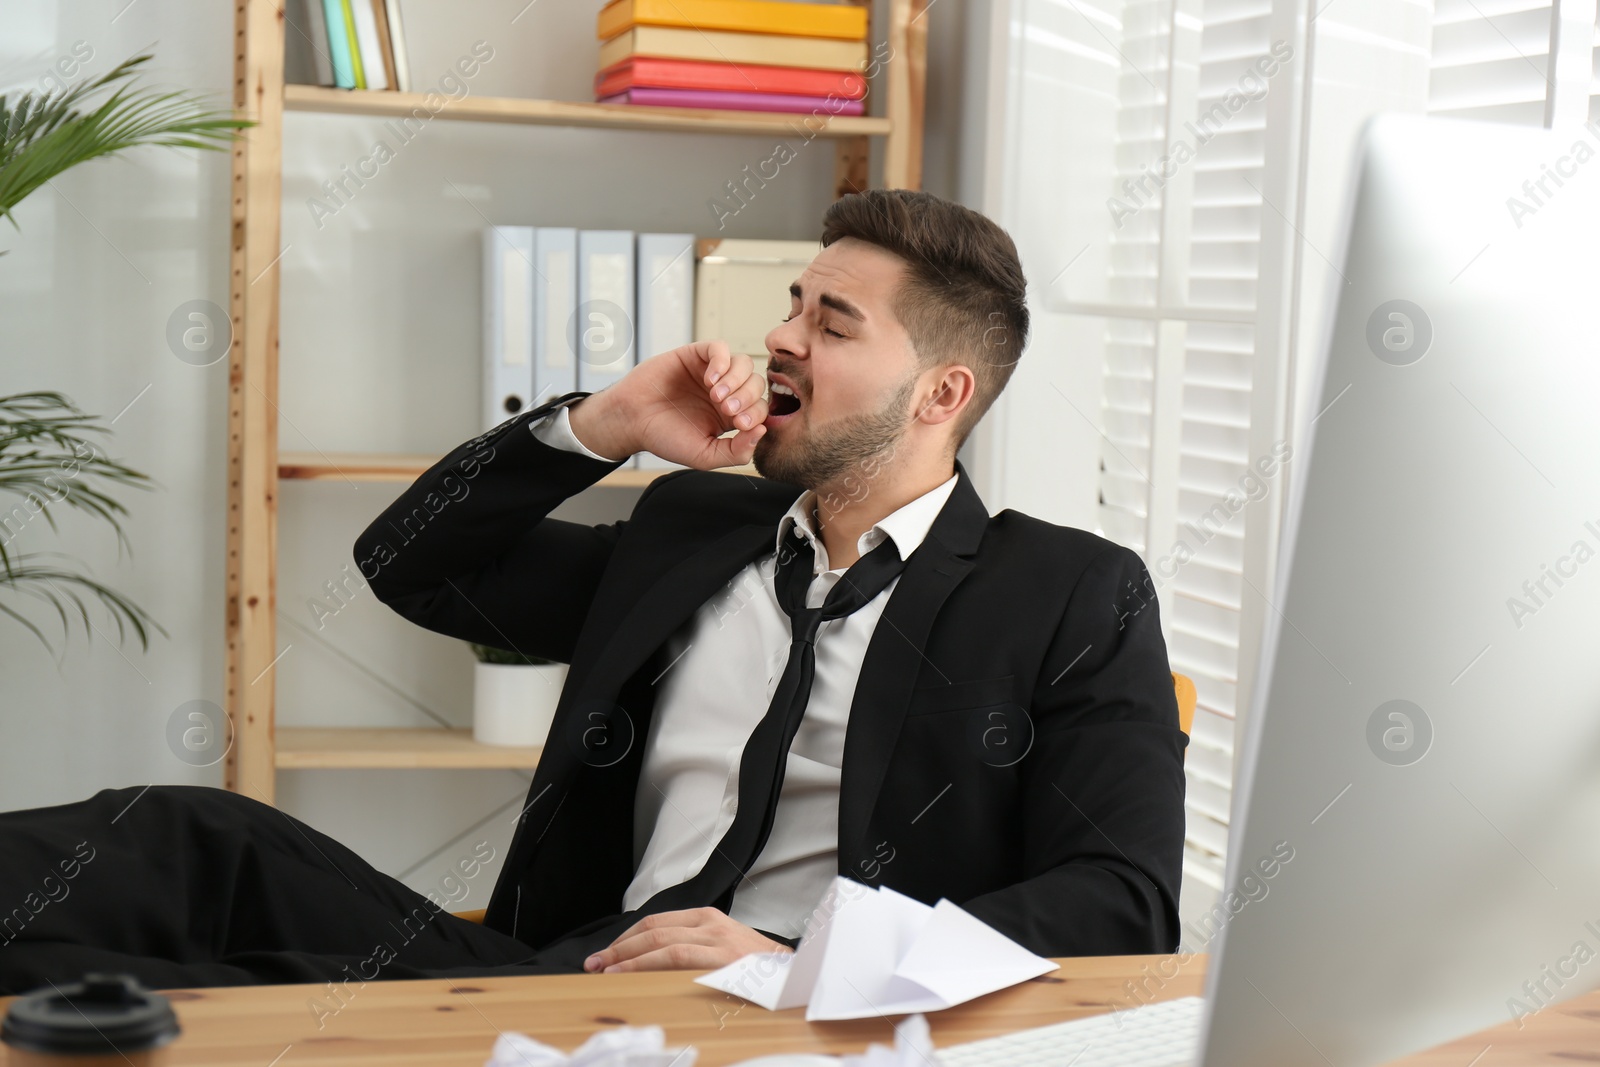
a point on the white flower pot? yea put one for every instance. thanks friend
(513, 704)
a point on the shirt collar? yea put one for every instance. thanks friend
(907, 526)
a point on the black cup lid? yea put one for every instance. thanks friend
(103, 1013)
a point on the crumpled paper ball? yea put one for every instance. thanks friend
(913, 1047)
(624, 1046)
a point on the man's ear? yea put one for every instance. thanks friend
(945, 393)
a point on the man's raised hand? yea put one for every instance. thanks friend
(677, 405)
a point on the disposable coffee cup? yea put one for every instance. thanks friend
(106, 1020)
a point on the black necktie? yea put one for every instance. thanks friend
(766, 753)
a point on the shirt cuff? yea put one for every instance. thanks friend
(556, 431)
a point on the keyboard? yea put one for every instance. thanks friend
(1165, 1034)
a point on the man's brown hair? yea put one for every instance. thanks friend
(963, 300)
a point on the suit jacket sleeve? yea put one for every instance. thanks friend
(469, 550)
(1103, 786)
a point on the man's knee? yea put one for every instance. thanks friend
(173, 800)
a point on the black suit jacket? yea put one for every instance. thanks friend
(1013, 742)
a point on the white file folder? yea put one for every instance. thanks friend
(555, 303)
(605, 329)
(507, 322)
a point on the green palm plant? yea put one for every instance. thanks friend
(46, 458)
(43, 134)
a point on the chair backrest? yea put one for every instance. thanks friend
(1187, 698)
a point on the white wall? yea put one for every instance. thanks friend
(379, 351)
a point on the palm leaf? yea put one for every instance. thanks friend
(47, 460)
(26, 576)
(43, 134)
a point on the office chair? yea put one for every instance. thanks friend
(1182, 686)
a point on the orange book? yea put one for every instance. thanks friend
(726, 46)
(646, 72)
(841, 21)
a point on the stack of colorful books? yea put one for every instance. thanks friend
(742, 55)
(348, 44)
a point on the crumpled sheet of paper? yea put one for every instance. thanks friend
(624, 1046)
(913, 1047)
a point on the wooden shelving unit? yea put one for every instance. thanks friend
(255, 466)
(568, 113)
(303, 747)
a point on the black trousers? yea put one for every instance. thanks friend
(193, 886)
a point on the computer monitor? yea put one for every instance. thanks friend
(1423, 742)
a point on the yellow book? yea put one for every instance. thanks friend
(355, 49)
(718, 46)
(844, 22)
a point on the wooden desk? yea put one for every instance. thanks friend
(456, 1023)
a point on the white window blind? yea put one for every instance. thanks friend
(1206, 591)
(1142, 50)
(1527, 62)
(1490, 60)
(1180, 299)
(1178, 351)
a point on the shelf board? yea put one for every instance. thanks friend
(407, 468)
(573, 113)
(323, 747)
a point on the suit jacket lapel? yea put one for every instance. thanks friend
(894, 658)
(679, 592)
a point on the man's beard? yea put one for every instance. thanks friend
(827, 453)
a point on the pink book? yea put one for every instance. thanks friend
(712, 98)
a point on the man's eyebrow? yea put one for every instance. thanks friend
(828, 300)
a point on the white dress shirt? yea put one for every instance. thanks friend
(724, 664)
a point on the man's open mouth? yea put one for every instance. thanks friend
(782, 401)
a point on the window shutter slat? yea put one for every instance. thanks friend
(1490, 60)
